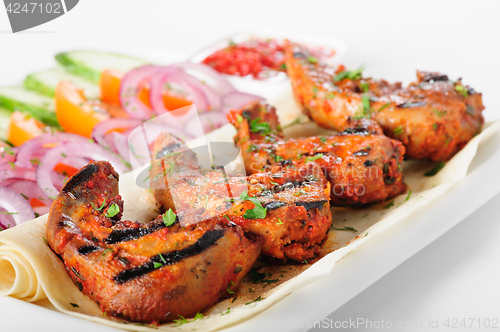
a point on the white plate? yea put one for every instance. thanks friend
(350, 276)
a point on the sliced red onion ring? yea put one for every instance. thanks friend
(7, 153)
(104, 128)
(209, 121)
(69, 150)
(29, 189)
(121, 145)
(11, 171)
(236, 100)
(222, 84)
(188, 83)
(33, 148)
(16, 206)
(129, 89)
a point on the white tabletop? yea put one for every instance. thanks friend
(455, 277)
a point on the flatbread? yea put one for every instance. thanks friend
(30, 271)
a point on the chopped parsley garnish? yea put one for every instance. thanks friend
(157, 265)
(462, 90)
(364, 86)
(366, 108)
(322, 139)
(315, 157)
(312, 59)
(183, 320)
(350, 75)
(106, 251)
(330, 95)
(225, 313)
(45, 240)
(12, 165)
(102, 206)
(229, 287)
(169, 218)
(435, 169)
(63, 155)
(34, 162)
(9, 213)
(257, 277)
(258, 212)
(399, 130)
(389, 205)
(113, 210)
(279, 222)
(438, 113)
(260, 298)
(298, 120)
(346, 228)
(435, 126)
(260, 127)
(383, 106)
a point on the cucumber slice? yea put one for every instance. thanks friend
(45, 82)
(40, 107)
(90, 64)
(4, 123)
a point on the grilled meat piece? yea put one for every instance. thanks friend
(286, 208)
(150, 272)
(362, 165)
(433, 117)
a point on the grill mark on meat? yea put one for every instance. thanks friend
(286, 186)
(311, 205)
(435, 78)
(79, 178)
(274, 205)
(207, 240)
(85, 250)
(122, 235)
(357, 131)
(409, 105)
(170, 148)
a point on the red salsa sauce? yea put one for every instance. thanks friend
(260, 59)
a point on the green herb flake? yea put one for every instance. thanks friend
(435, 169)
(462, 90)
(8, 213)
(312, 59)
(102, 206)
(63, 155)
(364, 86)
(182, 320)
(258, 212)
(279, 222)
(113, 210)
(12, 165)
(435, 126)
(315, 157)
(383, 106)
(169, 218)
(346, 228)
(229, 287)
(350, 75)
(439, 113)
(298, 120)
(399, 130)
(106, 251)
(260, 298)
(260, 127)
(389, 205)
(157, 265)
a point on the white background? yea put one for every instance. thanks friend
(458, 275)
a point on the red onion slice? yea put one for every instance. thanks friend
(222, 85)
(16, 207)
(188, 83)
(69, 150)
(104, 128)
(129, 89)
(29, 189)
(7, 153)
(209, 121)
(11, 171)
(34, 149)
(236, 100)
